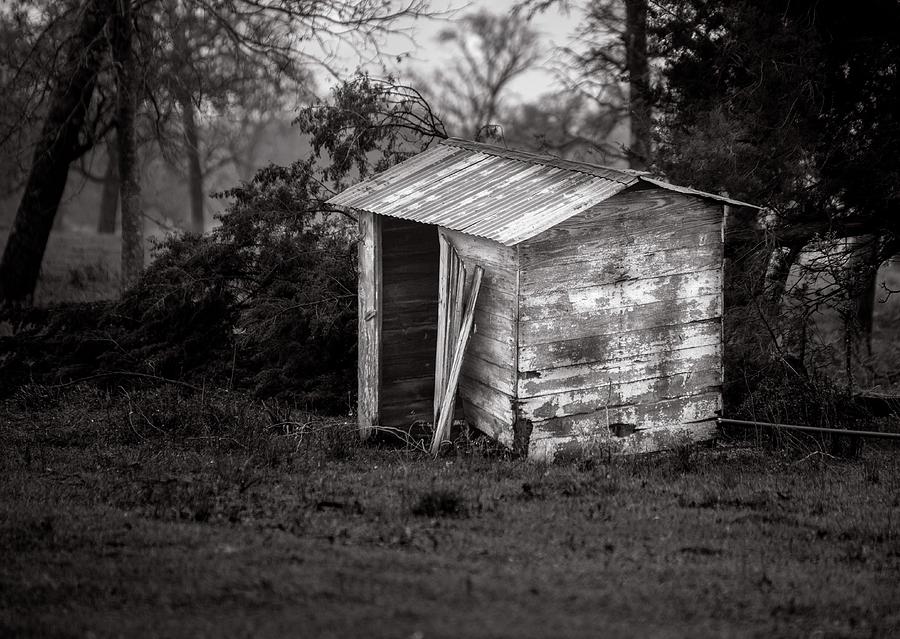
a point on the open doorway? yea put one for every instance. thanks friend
(410, 263)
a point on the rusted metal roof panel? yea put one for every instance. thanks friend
(504, 195)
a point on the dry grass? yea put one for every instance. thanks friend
(154, 513)
(78, 266)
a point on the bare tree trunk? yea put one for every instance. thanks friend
(781, 259)
(56, 147)
(130, 189)
(192, 155)
(188, 120)
(109, 203)
(638, 68)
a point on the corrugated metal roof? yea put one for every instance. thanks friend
(504, 195)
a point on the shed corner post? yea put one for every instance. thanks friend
(369, 339)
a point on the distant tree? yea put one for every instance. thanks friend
(794, 105)
(125, 65)
(612, 58)
(572, 124)
(489, 52)
(266, 37)
(109, 202)
(60, 141)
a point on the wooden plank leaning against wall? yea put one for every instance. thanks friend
(487, 381)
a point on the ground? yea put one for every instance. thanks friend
(154, 512)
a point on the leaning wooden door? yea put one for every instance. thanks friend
(455, 317)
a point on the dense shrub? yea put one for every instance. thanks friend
(265, 302)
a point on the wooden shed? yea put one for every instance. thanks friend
(599, 315)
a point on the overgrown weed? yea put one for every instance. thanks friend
(809, 400)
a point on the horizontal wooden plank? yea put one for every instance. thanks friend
(545, 448)
(410, 231)
(625, 294)
(423, 306)
(639, 244)
(600, 348)
(577, 271)
(409, 388)
(619, 320)
(421, 253)
(488, 399)
(491, 350)
(596, 374)
(403, 416)
(499, 327)
(408, 357)
(662, 414)
(410, 334)
(410, 312)
(635, 213)
(421, 292)
(625, 228)
(496, 302)
(499, 280)
(498, 429)
(404, 271)
(397, 367)
(404, 401)
(498, 375)
(615, 395)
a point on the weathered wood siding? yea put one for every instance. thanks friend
(487, 384)
(409, 276)
(369, 322)
(620, 322)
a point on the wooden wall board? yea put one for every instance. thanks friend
(497, 428)
(535, 257)
(497, 327)
(488, 398)
(369, 323)
(680, 412)
(543, 447)
(577, 324)
(502, 378)
(618, 264)
(636, 213)
(596, 374)
(633, 344)
(671, 385)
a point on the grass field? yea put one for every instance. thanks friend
(154, 513)
(78, 266)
